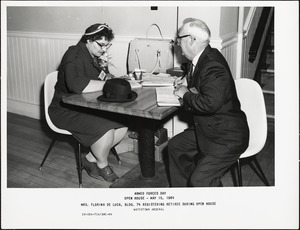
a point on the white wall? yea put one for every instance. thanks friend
(210, 15)
(134, 21)
(125, 21)
(52, 19)
(228, 20)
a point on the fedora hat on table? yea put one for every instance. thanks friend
(117, 90)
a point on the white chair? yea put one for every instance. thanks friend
(49, 84)
(253, 104)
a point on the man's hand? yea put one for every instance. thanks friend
(180, 81)
(180, 90)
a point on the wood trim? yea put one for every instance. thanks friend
(43, 35)
(61, 36)
(24, 109)
(224, 41)
(229, 39)
(248, 21)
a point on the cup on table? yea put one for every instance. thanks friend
(138, 75)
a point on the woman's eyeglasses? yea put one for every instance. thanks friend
(178, 39)
(104, 45)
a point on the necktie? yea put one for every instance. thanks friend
(190, 73)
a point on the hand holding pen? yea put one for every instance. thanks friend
(180, 81)
(180, 87)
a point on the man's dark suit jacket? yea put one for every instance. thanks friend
(221, 126)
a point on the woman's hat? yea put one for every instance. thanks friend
(117, 90)
(93, 29)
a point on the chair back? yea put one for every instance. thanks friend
(252, 102)
(49, 90)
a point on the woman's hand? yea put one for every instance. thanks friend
(105, 60)
(109, 76)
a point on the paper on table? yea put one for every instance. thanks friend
(157, 81)
(165, 97)
(135, 84)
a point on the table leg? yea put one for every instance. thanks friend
(146, 148)
(147, 174)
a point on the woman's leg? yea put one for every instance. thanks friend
(119, 135)
(100, 149)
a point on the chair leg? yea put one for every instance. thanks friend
(239, 172)
(261, 175)
(232, 171)
(114, 152)
(79, 165)
(48, 151)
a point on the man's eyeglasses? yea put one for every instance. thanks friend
(178, 39)
(104, 46)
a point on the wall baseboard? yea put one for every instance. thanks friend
(24, 109)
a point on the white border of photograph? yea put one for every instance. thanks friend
(275, 207)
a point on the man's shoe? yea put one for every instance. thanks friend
(92, 170)
(108, 174)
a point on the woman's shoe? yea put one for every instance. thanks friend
(92, 170)
(90, 167)
(108, 174)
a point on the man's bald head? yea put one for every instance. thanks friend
(197, 29)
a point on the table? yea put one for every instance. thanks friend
(145, 111)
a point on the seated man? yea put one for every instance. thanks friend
(200, 155)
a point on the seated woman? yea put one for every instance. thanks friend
(83, 69)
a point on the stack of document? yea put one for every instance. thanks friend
(158, 80)
(166, 97)
(133, 83)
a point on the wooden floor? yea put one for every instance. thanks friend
(28, 140)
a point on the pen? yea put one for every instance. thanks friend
(175, 82)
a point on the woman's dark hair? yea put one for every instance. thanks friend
(96, 32)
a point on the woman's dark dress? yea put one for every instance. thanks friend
(76, 70)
